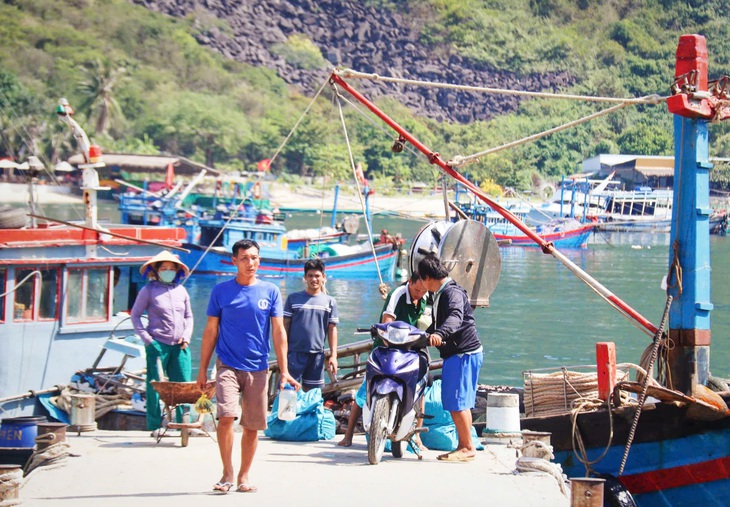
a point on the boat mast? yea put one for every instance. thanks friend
(689, 253)
(92, 160)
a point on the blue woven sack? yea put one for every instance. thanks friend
(313, 421)
(441, 434)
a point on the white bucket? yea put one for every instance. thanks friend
(503, 413)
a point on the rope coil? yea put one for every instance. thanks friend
(559, 392)
(536, 458)
(10, 482)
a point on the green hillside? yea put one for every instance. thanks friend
(141, 83)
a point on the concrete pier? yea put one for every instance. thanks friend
(129, 469)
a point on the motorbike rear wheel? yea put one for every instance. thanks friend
(378, 433)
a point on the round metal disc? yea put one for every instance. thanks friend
(470, 252)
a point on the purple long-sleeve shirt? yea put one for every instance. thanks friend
(168, 311)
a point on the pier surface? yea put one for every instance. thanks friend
(127, 468)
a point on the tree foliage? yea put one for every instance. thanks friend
(142, 83)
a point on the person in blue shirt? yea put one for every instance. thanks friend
(310, 316)
(242, 313)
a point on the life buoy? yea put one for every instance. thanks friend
(257, 190)
(546, 192)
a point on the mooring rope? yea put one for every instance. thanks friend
(382, 287)
(645, 384)
(535, 458)
(53, 456)
(10, 481)
(649, 99)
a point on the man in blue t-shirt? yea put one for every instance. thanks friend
(242, 313)
(309, 316)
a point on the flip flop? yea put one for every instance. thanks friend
(455, 456)
(222, 487)
(246, 488)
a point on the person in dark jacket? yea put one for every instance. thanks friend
(454, 333)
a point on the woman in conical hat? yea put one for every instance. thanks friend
(168, 330)
(152, 266)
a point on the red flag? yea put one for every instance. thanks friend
(264, 165)
(170, 177)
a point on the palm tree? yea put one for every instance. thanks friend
(98, 88)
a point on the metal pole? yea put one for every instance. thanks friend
(689, 255)
(333, 222)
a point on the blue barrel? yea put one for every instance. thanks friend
(20, 431)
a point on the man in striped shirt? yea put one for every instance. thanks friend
(309, 317)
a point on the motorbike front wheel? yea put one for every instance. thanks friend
(378, 433)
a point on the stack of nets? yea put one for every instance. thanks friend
(559, 392)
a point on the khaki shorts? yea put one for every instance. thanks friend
(249, 388)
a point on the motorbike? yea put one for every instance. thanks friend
(396, 378)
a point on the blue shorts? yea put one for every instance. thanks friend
(459, 378)
(307, 366)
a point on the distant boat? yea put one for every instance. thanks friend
(641, 210)
(146, 208)
(562, 232)
(647, 210)
(211, 254)
(574, 198)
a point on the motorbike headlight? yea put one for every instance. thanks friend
(398, 336)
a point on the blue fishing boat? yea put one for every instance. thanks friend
(283, 252)
(660, 441)
(66, 288)
(561, 232)
(674, 449)
(212, 253)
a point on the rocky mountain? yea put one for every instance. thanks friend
(365, 39)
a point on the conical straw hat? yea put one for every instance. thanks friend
(162, 257)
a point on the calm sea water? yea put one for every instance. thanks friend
(541, 316)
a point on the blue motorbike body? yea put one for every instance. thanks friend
(392, 370)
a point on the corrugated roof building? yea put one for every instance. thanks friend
(149, 163)
(634, 170)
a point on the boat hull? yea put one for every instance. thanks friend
(40, 355)
(576, 238)
(65, 289)
(351, 266)
(673, 460)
